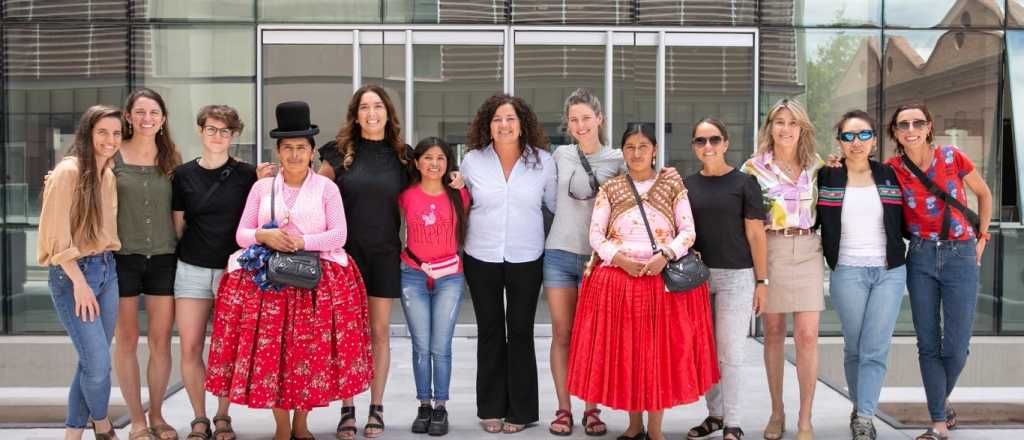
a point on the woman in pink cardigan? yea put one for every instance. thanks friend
(278, 346)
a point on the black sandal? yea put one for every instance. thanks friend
(346, 432)
(709, 426)
(375, 413)
(734, 431)
(201, 435)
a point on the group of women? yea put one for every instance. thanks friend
(140, 222)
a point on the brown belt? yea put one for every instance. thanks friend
(791, 232)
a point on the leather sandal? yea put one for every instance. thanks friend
(512, 428)
(142, 434)
(201, 435)
(227, 429)
(109, 435)
(374, 413)
(734, 431)
(161, 429)
(346, 432)
(709, 426)
(951, 420)
(563, 417)
(596, 427)
(492, 426)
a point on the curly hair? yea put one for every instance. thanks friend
(167, 155)
(351, 133)
(530, 131)
(223, 113)
(85, 208)
(806, 147)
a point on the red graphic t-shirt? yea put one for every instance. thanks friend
(921, 209)
(430, 225)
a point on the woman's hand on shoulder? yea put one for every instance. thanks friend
(671, 173)
(265, 169)
(457, 181)
(833, 161)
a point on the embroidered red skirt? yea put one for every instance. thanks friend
(636, 347)
(291, 349)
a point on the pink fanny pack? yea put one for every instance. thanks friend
(438, 268)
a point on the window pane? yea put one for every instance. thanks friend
(822, 12)
(708, 81)
(697, 12)
(546, 75)
(1015, 18)
(943, 13)
(634, 84)
(214, 10)
(339, 11)
(53, 74)
(1012, 249)
(452, 81)
(193, 66)
(288, 75)
(573, 11)
(78, 10)
(384, 65)
(444, 11)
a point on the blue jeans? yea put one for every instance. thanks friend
(942, 276)
(867, 300)
(431, 314)
(90, 388)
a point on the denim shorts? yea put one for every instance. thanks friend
(563, 269)
(191, 281)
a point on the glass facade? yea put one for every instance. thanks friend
(666, 63)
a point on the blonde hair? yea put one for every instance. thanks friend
(806, 147)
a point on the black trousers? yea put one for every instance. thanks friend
(506, 376)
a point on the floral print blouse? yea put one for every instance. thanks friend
(629, 234)
(788, 204)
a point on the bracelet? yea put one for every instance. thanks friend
(984, 236)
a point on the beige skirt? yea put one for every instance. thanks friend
(796, 273)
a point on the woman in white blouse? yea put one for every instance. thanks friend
(510, 174)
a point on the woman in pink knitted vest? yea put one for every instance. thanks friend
(283, 347)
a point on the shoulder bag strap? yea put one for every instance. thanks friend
(643, 214)
(590, 172)
(273, 183)
(942, 194)
(223, 177)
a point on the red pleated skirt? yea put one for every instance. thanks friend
(291, 349)
(636, 347)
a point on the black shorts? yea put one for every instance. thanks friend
(380, 268)
(152, 275)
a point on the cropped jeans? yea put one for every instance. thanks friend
(431, 314)
(942, 277)
(867, 300)
(90, 388)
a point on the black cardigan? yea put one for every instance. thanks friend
(832, 189)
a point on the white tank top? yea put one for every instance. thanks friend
(862, 243)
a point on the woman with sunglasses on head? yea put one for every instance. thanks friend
(944, 254)
(582, 168)
(146, 263)
(635, 346)
(860, 212)
(786, 167)
(77, 233)
(432, 282)
(207, 202)
(510, 175)
(728, 213)
(279, 342)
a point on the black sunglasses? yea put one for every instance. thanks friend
(702, 141)
(849, 136)
(916, 123)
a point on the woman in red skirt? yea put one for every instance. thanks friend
(278, 346)
(636, 347)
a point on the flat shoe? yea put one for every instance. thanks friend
(492, 426)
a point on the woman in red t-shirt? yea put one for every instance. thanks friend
(432, 282)
(945, 252)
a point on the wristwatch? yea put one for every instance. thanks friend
(764, 281)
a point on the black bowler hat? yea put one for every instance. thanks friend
(293, 121)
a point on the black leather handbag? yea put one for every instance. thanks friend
(682, 274)
(297, 269)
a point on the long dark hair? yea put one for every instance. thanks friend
(909, 106)
(530, 131)
(647, 130)
(351, 133)
(167, 155)
(454, 195)
(86, 212)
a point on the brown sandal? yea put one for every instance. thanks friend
(596, 427)
(563, 417)
(227, 429)
(201, 435)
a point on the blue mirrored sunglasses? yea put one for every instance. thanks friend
(864, 135)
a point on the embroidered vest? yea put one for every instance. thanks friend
(662, 197)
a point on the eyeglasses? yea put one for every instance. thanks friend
(849, 136)
(700, 142)
(916, 123)
(224, 132)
